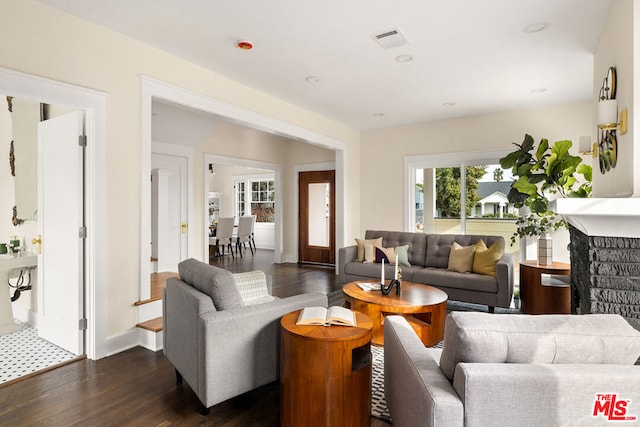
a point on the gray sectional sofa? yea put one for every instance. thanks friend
(429, 257)
(514, 370)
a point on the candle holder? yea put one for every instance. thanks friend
(386, 289)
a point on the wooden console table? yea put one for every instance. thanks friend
(544, 297)
(325, 373)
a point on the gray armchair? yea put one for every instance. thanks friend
(513, 370)
(219, 345)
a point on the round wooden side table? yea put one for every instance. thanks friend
(325, 373)
(544, 297)
(424, 307)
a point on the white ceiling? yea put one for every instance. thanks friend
(473, 53)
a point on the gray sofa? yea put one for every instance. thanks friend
(429, 256)
(513, 370)
(217, 344)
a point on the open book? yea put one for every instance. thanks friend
(322, 316)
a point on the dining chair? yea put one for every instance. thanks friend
(213, 246)
(224, 235)
(245, 228)
(252, 240)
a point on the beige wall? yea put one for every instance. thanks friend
(616, 48)
(249, 144)
(222, 182)
(45, 42)
(383, 151)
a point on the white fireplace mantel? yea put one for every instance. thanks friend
(609, 217)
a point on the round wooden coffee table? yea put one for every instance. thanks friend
(325, 373)
(424, 307)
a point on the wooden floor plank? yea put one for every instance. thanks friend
(138, 387)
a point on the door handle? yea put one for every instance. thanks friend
(39, 242)
(184, 227)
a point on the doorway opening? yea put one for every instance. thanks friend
(235, 187)
(156, 90)
(90, 299)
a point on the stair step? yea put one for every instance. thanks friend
(158, 283)
(147, 301)
(153, 325)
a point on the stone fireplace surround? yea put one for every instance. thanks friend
(605, 255)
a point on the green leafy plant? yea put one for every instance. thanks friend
(543, 171)
(537, 225)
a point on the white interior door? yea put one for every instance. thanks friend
(60, 218)
(174, 238)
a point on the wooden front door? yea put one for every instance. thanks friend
(316, 217)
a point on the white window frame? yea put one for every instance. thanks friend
(434, 161)
(248, 194)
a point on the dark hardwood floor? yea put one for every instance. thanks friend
(138, 387)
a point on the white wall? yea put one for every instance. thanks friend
(42, 41)
(244, 143)
(617, 48)
(384, 150)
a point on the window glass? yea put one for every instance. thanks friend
(487, 211)
(260, 200)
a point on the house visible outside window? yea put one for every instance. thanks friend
(255, 195)
(460, 194)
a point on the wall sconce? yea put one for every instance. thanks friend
(608, 119)
(587, 148)
(608, 123)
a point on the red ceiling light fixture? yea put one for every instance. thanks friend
(244, 44)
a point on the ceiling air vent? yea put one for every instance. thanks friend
(390, 39)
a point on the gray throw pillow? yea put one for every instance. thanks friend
(216, 282)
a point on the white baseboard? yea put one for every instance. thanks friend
(150, 340)
(115, 344)
(289, 258)
(135, 337)
(25, 315)
(119, 343)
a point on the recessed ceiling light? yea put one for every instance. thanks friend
(448, 104)
(536, 27)
(378, 114)
(404, 58)
(539, 90)
(312, 79)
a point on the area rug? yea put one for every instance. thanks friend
(378, 403)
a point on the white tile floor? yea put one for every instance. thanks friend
(22, 353)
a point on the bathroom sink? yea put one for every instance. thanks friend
(9, 262)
